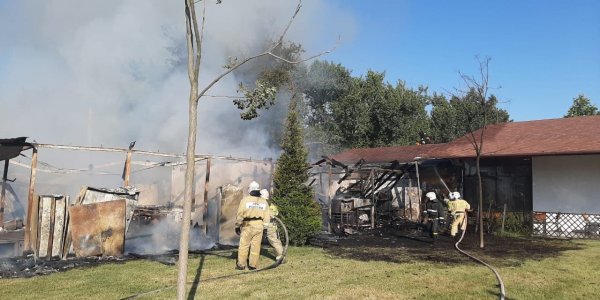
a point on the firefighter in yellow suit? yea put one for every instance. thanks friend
(458, 208)
(272, 227)
(252, 215)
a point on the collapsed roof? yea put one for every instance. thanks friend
(11, 148)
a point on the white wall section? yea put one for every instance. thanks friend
(566, 183)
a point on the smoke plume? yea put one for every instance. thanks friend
(110, 72)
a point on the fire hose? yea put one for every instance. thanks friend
(464, 226)
(500, 282)
(271, 266)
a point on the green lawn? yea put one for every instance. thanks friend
(318, 274)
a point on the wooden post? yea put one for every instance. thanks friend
(218, 217)
(34, 232)
(271, 177)
(329, 198)
(503, 217)
(3, 195)
(418, 187)
(127, 169)
(373, 202)
(205, 204)
(27, 244)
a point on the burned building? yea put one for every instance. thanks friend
(97, 201)
(543, 173)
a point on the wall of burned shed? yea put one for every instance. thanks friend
(505, 181)
(206, 212)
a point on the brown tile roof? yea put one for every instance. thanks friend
(579, 135)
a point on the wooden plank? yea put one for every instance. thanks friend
(232, 195)
(67, 234)
(85, 234)
(112, 227)
(51, 227)
(44, 226)
(30, 201)
(59, 225)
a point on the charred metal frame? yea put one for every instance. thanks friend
(372, 179)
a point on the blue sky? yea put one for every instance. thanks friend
(544, 53)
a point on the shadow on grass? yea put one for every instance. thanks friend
(408, 246)
(233, 255)
(196, 281)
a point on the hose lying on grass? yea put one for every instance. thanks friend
(271, 266)
(500, 282)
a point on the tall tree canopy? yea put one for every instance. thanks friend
(582, 106)
(343, 111)
(454, 118)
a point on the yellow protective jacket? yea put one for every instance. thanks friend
(458, 205)
(253, 208)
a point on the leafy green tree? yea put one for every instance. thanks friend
(298, 210)
(451, 119)
(582, 106)
(399, 117)
(348, 112)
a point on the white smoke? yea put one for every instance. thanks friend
(110, 72)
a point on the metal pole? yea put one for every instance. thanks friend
(151, 153)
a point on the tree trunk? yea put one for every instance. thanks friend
(187, 204)
(480, 206)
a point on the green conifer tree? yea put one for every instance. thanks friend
(297, 208)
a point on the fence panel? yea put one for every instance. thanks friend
(567, 225)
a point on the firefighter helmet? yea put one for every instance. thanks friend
(430, 195)
(264, 194)
(253, 186)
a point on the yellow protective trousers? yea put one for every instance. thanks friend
(250, 239)
(274, 240)
(458, 220)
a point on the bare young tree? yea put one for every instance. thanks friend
(194, 38)
(476, 122)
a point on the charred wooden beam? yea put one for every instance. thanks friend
(205, 204)
(3, 193)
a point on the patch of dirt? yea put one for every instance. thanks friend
(409, 245)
